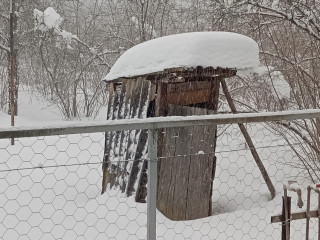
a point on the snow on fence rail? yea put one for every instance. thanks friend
(50, 182)
(156, 123)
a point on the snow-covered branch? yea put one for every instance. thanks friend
(114, 35)
(6, 17)
(51, 20)
(300, 15)
(294, 64)
(95, 55)
(4, 48)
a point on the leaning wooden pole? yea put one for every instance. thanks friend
(248, 140)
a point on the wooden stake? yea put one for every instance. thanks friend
(248, 140)
(318, 215)
(308, 213)
(286, 212)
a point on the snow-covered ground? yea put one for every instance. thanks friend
(46, 201)
(34, 111)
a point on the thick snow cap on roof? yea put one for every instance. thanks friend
(206, 49)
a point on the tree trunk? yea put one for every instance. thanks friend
(13, 63)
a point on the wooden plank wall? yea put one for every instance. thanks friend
(184, 174)
(124, 149)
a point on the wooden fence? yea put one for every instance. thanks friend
(286, 217)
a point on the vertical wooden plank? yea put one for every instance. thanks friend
(179, 163)
(125, 136)
(170, 150)
(141, 191)
(199, 186)
(109, 114)
(137, 145)
(140, 150)
(164, 172)
(286, 215)
(214, 96)
(166, 175)
(113, 107)
(184, 187)
(106, 160)
(129, 100)
(308, 213)
(118, 114)
(318, 214)
(161, 100)
(200, 170)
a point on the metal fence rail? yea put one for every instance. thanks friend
(155, 123)
(39, 151)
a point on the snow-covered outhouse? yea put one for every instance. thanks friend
(176, 75)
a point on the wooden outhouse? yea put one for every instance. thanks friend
(157, 87)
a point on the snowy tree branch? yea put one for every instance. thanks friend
(299, 17)
(295, 64)
(4, 16)
(4, 48)
(95, 55)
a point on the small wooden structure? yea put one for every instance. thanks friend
(143, 84)
(185, 174)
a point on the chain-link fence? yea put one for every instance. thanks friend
(50, 185)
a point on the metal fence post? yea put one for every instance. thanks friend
(152, 184)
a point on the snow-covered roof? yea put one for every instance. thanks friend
(206, 49)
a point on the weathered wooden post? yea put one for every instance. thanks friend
(308, 212)
(318, 213)
(286, 214)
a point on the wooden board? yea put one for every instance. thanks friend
(189, 93)
(184, 176)
(188, 86)
(189, 97)
(295, 216)
(127, 100)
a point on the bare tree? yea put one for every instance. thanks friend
(288, 35)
